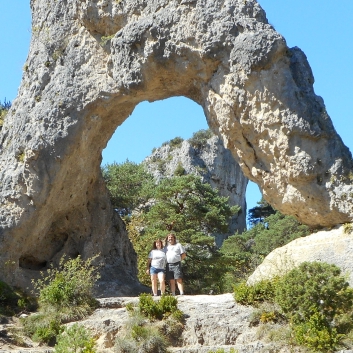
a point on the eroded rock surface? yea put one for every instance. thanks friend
(92, 61)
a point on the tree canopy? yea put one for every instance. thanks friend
(129, 185)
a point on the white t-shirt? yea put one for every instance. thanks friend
(174, 252)
(158, 258)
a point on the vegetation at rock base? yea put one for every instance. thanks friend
(314, 298)
(153, 326)
(65, 294)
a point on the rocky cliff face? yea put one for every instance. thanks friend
(213, 163)
(91, 62)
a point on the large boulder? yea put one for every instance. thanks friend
(92, 61)
(333, 246)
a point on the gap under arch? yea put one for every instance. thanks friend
(146, 129)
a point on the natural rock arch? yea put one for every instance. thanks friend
(92, 61)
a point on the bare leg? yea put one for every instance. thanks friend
(154, 284)
(180, 285)
(161, 278)
(172, 286)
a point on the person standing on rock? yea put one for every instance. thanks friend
(156, 266)
(175, 253)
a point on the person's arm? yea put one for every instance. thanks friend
(183, 253)
(148, 265)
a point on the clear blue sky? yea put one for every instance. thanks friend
(323, 29)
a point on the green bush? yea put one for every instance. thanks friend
(179, 170)
(149, 308)
(318, 302)
(69, 286)
(157, 310)
(168, 304)
(317, 334)
(42, 327)
(311, 288)
(65, 294)
(200, 138)
(254, 294)
(176, 142)
(75, 339)
(141, 339)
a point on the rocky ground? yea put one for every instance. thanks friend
(212, 322)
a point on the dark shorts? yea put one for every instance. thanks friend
(155, 271)
(174, 271)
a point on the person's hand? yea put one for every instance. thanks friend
(148, 270)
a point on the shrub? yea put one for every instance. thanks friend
(42, 327)
(200, 138)
(176, 142)
(317, 334)
(141, 339)
(125, 345)
(8, 298)
(168, 304)
(65, 294)
(318, 302)
(347, 228)
(75, 339)
(314, 288)
(179, 170)
(149, 308)
(156, 310)
(254, 294)
(172, 328)
(69, 286)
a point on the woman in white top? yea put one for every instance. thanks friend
(156, 266)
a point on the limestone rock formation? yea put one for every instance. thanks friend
(332, 246)
(92, 61)
(213, 163)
